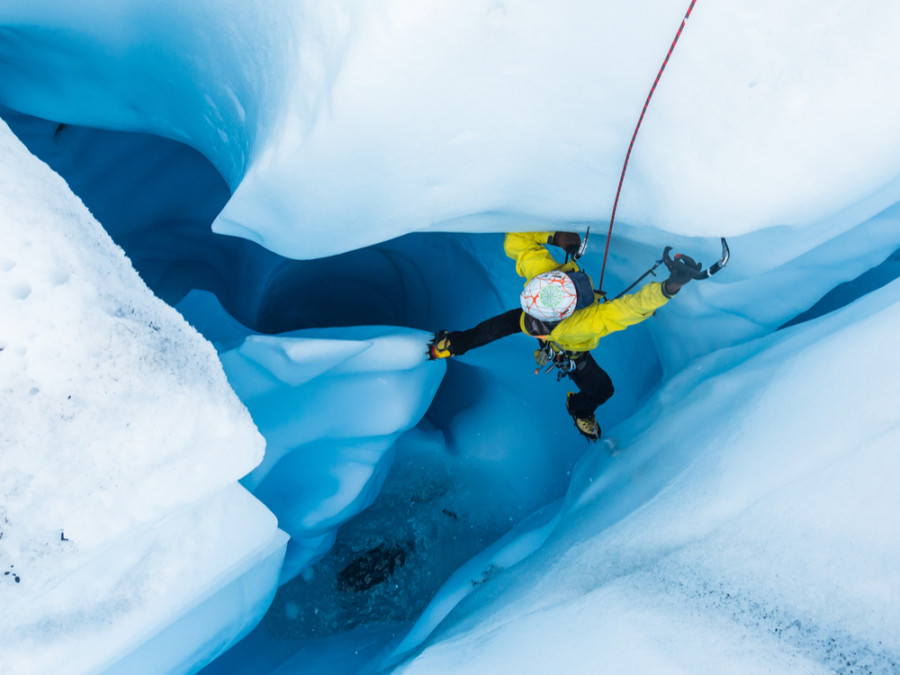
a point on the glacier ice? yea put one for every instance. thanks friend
(122, 445)
(747, 504)
(331, 406)
(285, 98)
(768, 526)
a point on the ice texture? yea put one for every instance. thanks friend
(757, 124)
(746, 518)
(122, 443)
(331, 404)
(739, 515)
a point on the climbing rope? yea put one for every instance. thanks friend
(634, 136)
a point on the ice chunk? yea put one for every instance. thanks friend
(331, 404)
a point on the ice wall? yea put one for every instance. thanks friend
(332, 405)
(339, 126)
(746, 522)
(342, 126)
(536, 105)
(122, 444)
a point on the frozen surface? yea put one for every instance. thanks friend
(758, 123)
(331, 405)
(749, 528)
(740, 516)
(122, 444)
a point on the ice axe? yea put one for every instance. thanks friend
(696, 274)
(583, 247)
(699, 273)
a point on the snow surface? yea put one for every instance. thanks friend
(122, 444)
(740, 516)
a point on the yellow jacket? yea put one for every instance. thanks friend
(582, 331)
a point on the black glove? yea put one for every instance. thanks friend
(569, 242)
(681, 270)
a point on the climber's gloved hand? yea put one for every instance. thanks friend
(682, 268)
(567, 241)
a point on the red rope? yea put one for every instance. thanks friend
(634, 136)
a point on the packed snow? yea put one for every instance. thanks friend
(315, 187)
(122, 445)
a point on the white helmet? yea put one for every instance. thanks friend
(550, 296)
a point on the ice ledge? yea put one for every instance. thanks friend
(223, 611)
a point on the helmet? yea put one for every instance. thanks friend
(550, 296)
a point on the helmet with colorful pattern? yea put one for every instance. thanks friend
(554, 296)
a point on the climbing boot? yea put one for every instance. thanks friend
(586, 424)
(439, 347)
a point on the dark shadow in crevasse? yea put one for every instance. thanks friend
(844, 294)
(157, 199)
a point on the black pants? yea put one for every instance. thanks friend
(594, 384)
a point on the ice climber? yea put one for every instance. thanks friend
(561, 309)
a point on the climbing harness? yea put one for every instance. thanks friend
(634, 136)
(559, 358)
